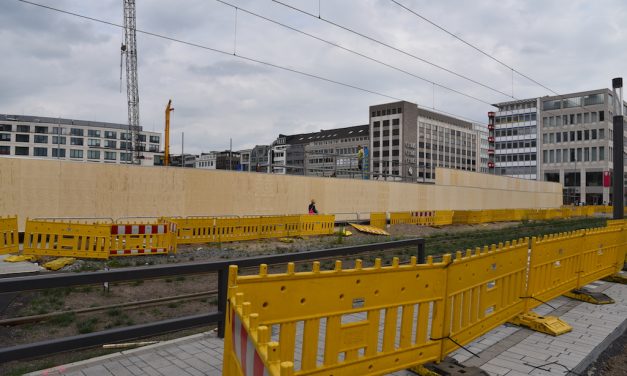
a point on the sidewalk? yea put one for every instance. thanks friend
(507, 350)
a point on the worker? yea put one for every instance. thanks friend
(360, 157)
(312, 207)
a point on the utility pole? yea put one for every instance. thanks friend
(618, 143)
(129, 49)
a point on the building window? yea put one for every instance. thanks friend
(23, 128)
(76, 153)
(601, 115)
(40, 152)
(93, 133)
(395, 121)
(602, 153)
(592, 99)
(39, 139)
(5, 150)
(601, 134)
(142, 138)
(21, 150)
(58, 153)
(110, 144)
(126, 157)
(58, 140)
(93, 154)
(5, 137)
(76, 132)
(41, 129)
(6, 127)
(93, 142)
(110, 156)
(154, 139)
(111, 134)
(76, 141)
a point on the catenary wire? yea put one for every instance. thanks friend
(473, 46)
(353, 51)
(292, 70)
(372, 39)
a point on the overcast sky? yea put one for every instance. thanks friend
(57, 65)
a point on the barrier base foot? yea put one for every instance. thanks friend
(588, 296)
(544, 324)
(448, 367)
(617, 278)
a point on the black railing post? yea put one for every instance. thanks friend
(223, 275)
(422, 259)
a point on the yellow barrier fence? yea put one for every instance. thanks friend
(371, 320)
(423, 218)
(49, 238)
(378, 220)
(142, 239)
(378, 320)
(9, 242)
(230, 229)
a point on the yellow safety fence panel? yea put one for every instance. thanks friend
(483, 290)
(194, 230)
(317, 225)
(47, 238)
(9, 241)
(616, 222)
(553, 267)
(348, 317)
(142, 239)
(378, 220)
(603, 253)
(443, 217)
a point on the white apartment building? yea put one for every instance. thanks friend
(207, 161)
(76, 140)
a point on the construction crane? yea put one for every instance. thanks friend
(166, 142)
(129, 50)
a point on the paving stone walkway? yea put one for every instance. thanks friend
(505, 351)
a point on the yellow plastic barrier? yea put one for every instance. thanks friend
(443, 218)
(370, 320)
(603, 253)
(553, 266)
(8, 235)
(195, 229)
(47, 238)
(483, 290)
(616, 222)
(378, 220)
(142, 239)
(317, 225)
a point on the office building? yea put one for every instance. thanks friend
(566, 139)
(407, 143)
(76, 140)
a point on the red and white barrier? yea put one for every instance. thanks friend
(244, 348)
(139, 251)
(139, 229)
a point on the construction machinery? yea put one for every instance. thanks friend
(166, 141)
(129, 50)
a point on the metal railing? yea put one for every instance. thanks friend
(40, 282)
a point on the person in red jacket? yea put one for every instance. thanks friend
(312, 207)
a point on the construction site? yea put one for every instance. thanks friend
(418, 244)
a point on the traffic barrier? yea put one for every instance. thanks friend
(9, 240)
(374, 320)
(194, 230)
(381, 319)
(51, 238)
(423, 218)
(378, 220)
(142, 239)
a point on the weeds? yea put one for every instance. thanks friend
(63, 320)
(87, 326)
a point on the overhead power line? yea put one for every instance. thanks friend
(239, 56)
(353, 52)
(387, 45)
(473, 46)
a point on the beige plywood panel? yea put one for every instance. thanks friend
(49, 188)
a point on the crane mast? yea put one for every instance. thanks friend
(129, 49)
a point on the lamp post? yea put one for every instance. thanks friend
(618, 143)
